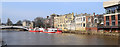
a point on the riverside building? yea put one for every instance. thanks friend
(64, 21)
(83, 21)
(112, 16)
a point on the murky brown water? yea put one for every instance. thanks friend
(37, 38)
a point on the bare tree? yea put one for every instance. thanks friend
(9, 22)
(39, 22)
(19, 23)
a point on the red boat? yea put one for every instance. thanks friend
(59, 31)
(33, 31)
(41, 29)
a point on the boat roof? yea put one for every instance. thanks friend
(52, 29)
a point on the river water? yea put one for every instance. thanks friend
(37, 38)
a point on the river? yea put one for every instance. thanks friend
(37, 38)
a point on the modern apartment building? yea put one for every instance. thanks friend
(112, 16)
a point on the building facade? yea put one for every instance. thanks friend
(82, 21)
(51, 20)
(26, 23)
(79, 22)
(69, 21)
(112, 16)
(95, 23)
(64, 21)
(59, 22)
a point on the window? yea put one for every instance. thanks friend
(61, 25)
(107, 23)
(113, 11)
(83, 24)
(118, 10)
(70, 18)
(107, 18)
(65, 16)
(95, 20)
(119, 17)
(113, 17)
(83, 18)
(113, 23)
(107, 11)
(89, 19)
(118, 23)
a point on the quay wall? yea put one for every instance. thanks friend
(93, 33)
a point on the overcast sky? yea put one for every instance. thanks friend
(29, 10)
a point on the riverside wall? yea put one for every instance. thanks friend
(93, 33)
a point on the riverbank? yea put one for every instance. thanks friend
(93, 33)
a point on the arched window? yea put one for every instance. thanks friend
(95, 20)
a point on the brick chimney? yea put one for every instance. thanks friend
(94, 14)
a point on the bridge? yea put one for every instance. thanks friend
(25, 28)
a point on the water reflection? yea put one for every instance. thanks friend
(0, 38)
(37, 38)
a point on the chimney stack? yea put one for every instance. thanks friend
(76, 14)
(94, 14)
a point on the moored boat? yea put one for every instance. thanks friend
(41, 29)
(52, 30)
(34, 30)
(59, 30)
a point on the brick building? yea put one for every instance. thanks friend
(97, 21)
(112, 16)
(83, 21)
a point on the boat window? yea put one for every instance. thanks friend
(55, 30)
